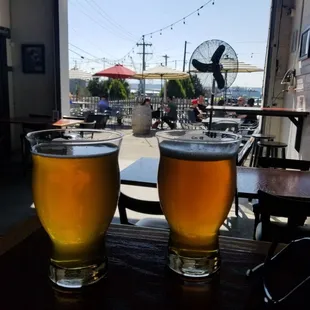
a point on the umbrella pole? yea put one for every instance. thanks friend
(212, 103)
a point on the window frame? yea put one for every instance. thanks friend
(306, 55)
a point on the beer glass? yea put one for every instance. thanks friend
(76, 184)
(196, 185)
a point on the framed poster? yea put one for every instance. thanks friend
(33, 58)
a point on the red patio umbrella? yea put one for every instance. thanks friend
(116, 72)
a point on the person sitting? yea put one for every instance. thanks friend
(202, 104)
(197, 111)
(103, 105)
(248, 119)
(171, 115)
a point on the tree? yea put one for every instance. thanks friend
(188, 87)
(175, 89)
(97, 88)
(117, 90)
(198, 88)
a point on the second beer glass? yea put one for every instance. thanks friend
(196, 184)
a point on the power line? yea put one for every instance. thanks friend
(110, 19)
(183, 19)
(98, 23)
(85, 52)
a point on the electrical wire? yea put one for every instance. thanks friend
(113, 22)
(170, 26)
(79, 6)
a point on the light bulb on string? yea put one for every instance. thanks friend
(184, 21)
(161, 32)
(171, 27)
(212, 2)
(198, 13)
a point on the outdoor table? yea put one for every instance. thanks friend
(296, 116)
(137, 276)
(67, 122)
(286, 183)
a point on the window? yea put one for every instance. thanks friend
(294, 43)
(304, 45)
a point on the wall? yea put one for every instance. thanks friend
(32, 22)
(4, 13)
(277, 62)
(301, 97)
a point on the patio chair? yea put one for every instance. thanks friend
(100, 118)
(192, 122)
(226, 126)
(295, 210)
(87, 125)
(141, 206)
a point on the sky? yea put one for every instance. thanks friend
(104, 32)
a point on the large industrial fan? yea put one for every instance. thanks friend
(215, 64)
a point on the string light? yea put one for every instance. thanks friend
(184, 21)
(213, 2)
(198, 12)
(171, 27)
(160, 32)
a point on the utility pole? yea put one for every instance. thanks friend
(184, 60)
(166, 60)
(165, 82)
(143, 44)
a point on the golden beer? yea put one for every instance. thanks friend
(75, 192)
(196, 184)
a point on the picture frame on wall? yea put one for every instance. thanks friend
(33, 58)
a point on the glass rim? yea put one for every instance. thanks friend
(166, 136)
(118, 136)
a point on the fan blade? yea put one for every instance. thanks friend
(219, 78)
(218, 54)
(201, 67)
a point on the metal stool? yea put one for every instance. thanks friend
(272, 149)
(258, 137)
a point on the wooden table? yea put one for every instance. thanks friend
(293, 184)
(137, 278)
(67, 122)
(296, 116)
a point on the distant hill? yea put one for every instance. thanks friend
(232, 92)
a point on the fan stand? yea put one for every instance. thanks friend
(212, 103)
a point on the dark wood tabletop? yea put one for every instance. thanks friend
(284, 183)
(262, 111)
(137, 277)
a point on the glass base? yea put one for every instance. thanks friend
(73, 278)
(197, 268)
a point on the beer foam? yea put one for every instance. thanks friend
(59, 150)
(198, 151)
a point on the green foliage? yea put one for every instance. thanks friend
(198, 88)
(115, 89)
(188, 87)
(175, 89)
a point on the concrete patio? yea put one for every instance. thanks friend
(16, 198)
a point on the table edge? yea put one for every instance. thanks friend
(23, 230)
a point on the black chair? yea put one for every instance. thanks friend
(271, 162)
(296, 211)
(192, 122)
(100, 118)
(241, 158)
(87, 125)
(141, 206)
(258, 137)
(226, 126)
(272, 148)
